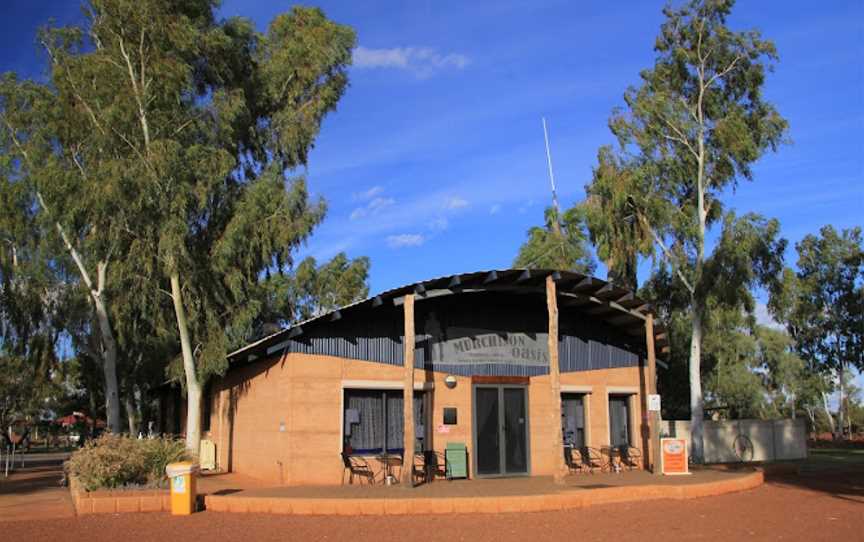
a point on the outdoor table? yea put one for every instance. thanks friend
(388, 461)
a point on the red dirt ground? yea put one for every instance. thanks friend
(811, 507)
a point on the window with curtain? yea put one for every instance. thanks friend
(372, 421)
(619, 420)
(573, 419)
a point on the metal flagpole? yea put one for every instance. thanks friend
(549, 164)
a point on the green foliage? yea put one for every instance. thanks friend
(822, 303)
(317, 289)
(691, 129)
(748, 254)
(615, 228)
(115, 461)
(822, 306)
(704, 89)
(559, 244)
(165, 145)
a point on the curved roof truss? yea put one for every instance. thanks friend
(603, 300)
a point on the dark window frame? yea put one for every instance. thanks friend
(385, 393)
(627, 399)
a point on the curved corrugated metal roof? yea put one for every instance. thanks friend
(604, 300)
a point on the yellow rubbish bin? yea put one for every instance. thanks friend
(183, 494)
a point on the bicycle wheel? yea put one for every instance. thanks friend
(743, 448)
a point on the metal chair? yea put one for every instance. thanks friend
(590, 459)
(435, 465)
(357, 466)
(573, 465)
(630, 456)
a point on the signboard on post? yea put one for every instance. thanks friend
(654, 402)
(673, 454)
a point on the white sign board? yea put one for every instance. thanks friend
(654, 402)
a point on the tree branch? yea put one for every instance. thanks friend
(76, 257)
(681, 137)
(671, 258)
(723, 73)
(142, 115)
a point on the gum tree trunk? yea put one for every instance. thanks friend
(828, 413)
(131, 415)
(109, 352)
(193, 386)
(696, 411)
(840, 417)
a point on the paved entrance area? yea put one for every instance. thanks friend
(34, 491)
(827, 506)
(525, 494)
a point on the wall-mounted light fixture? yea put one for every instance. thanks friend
(450, 381)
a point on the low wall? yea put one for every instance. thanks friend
(772, 440)
(558, 500)
(117, 501)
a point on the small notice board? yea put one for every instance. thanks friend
(673, 452)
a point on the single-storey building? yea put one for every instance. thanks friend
(292, 402)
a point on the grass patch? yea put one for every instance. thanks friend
(833, 458)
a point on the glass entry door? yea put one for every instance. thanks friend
(500, 430)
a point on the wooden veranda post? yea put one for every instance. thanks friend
(560, 469)
(653, 416)
(408, 396)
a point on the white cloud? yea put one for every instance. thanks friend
(422, 61)
(368, 194)
(494, 209)
(456, 203)
(405, 240)
(372, 208)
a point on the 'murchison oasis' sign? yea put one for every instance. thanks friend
(477, 346)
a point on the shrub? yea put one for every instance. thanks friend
(158, 452)
(113, 461)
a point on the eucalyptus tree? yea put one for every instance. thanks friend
(611, 218)
(312, 289)
(207, 117)
(560, 243)
(75, 184)
(690, 130)
(30, 303)
(822, 304)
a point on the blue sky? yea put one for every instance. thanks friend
(434, 161)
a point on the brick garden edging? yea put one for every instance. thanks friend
(564, 500)
(118, 501)
(159, 500)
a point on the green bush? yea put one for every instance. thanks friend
(158, 452)
(114, 461)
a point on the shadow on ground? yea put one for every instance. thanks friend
(842, 483)
(34, 477)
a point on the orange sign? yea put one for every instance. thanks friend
(674, 456)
